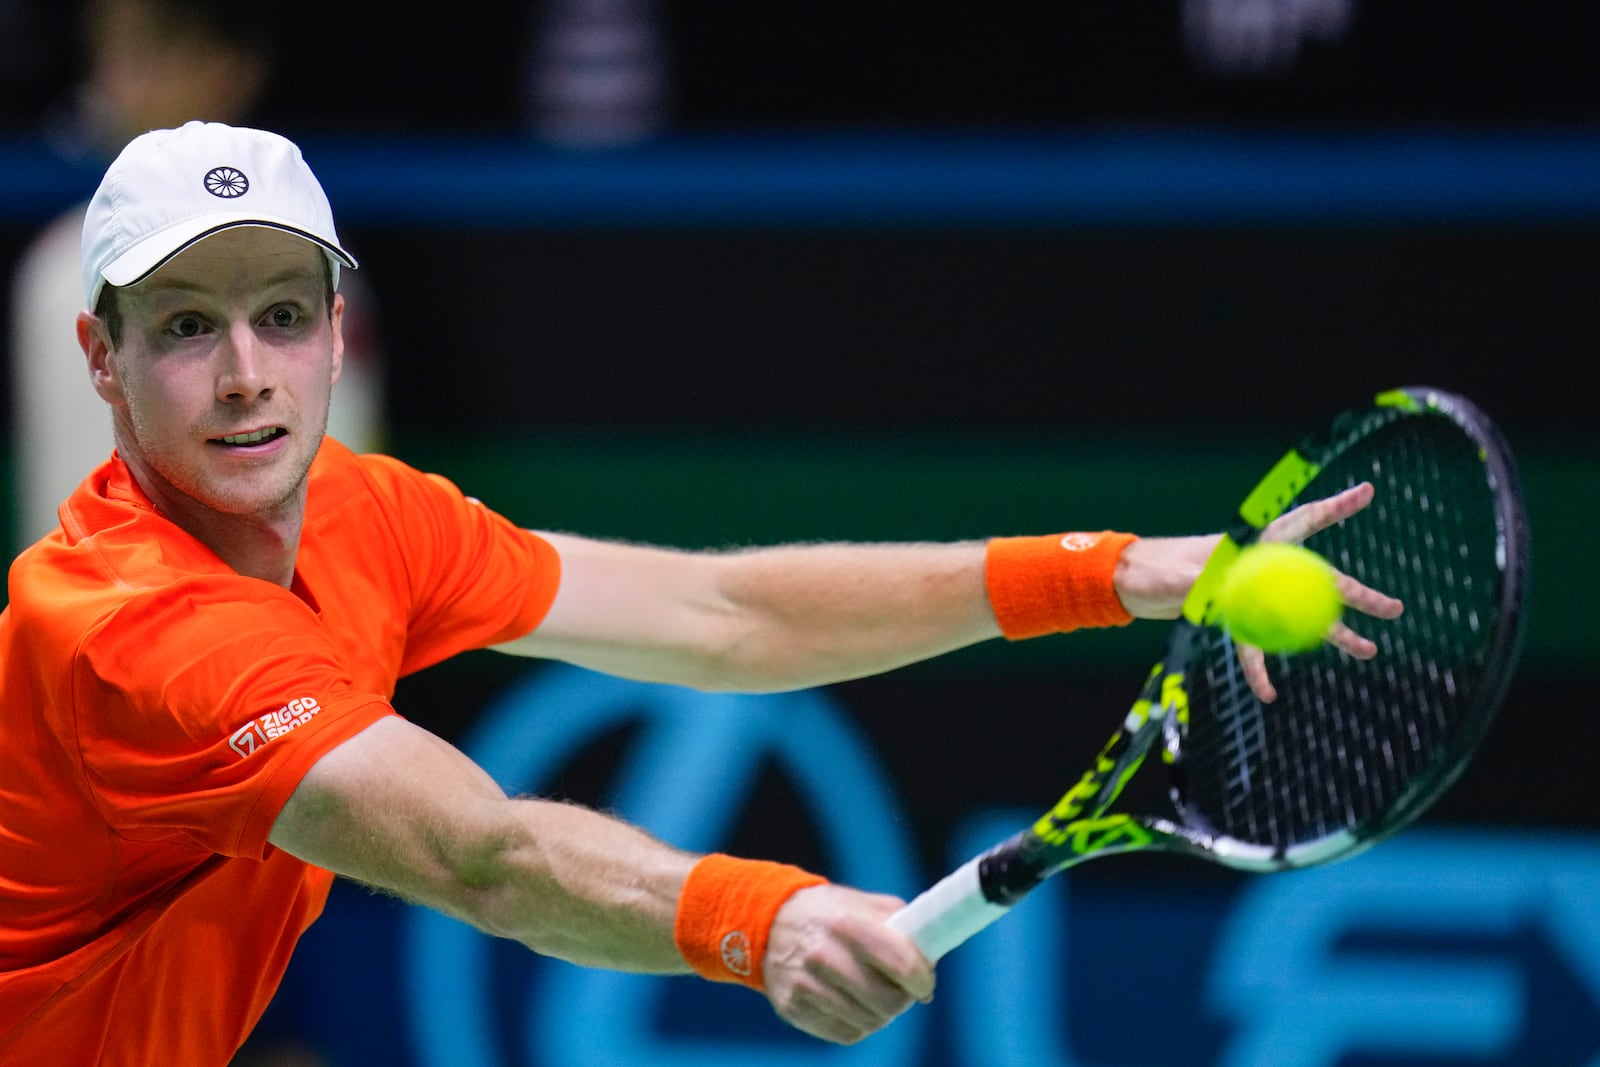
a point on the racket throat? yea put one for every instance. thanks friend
(1012, 868)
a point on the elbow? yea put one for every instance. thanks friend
(729, 654)
(747, 666)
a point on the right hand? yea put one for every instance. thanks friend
(835, 970)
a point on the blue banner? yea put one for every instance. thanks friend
(1447, 945)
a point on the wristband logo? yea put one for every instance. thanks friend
(1079, 542)
(736, 953)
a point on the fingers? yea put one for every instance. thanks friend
(1295, 527)
(1367, 600)
(1307, 519)
(1253, 662)
(835, 971)
(844, 997)
(1348, 641)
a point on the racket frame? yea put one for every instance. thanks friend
(1078, 827)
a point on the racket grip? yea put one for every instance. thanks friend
(948, 912)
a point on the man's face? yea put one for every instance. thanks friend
(221, 384)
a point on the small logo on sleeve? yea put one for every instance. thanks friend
(264, 728)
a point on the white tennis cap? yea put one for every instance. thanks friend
(171, 188)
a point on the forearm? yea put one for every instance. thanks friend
(824, 613)
(580, 886)
(761, 620)
(795, 616)
(402, 811)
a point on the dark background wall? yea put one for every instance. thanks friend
(345, 65)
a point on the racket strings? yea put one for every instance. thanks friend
(1348, 742)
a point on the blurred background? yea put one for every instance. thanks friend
(716, 273)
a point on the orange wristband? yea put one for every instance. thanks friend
(725, 911)
(1056, 583)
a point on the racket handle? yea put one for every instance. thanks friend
(947, 913)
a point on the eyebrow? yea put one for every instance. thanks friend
(158, 284)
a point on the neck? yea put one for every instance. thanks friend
(253, 547)
(260, 544)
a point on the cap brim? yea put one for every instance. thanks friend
(145, 257)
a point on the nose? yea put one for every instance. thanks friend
(244, 375)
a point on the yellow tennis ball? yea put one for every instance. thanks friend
(1279, 597)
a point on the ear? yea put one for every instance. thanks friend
(96, 344)
(337, 320)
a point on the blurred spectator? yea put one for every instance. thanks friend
(597, 72)
(152, 63)
(1260, 37)
(147, 64)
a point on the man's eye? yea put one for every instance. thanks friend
(283, 316)
(187, 326)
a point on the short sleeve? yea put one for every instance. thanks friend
(197, 708)
(476, 578)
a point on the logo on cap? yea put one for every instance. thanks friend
(226, 182)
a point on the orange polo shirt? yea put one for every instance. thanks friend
(156, 711)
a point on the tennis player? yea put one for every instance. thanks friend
(196, 667)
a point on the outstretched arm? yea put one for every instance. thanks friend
(760, 620)
(403, 811)
(399, 809)
(794, 616)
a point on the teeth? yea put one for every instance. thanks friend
(250, 438)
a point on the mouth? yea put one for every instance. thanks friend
(252, 439)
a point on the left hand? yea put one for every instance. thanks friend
(1293, 528)
(1155, 574)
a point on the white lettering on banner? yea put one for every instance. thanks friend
(1288, 984)
(264, 728)
(1299, 999)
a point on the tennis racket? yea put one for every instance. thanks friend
(1351, 750)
